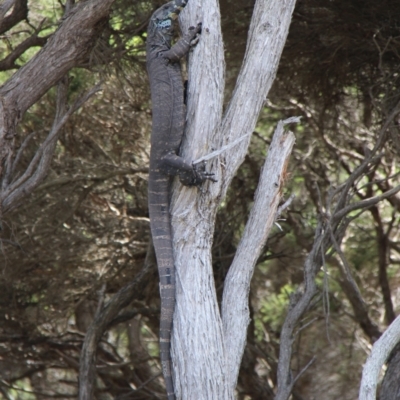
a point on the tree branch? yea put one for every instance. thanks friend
(267, 37)
(379, 354)
(18, 14)
(353, 293)
(235, 311)
(299, 303)
(364, 204)
(36, 171)
(65, 49)
(9, 62)
(104, 317)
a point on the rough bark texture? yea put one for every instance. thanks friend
(199, 342)
(235, 308)
(166, 83)
(67, 48)
(390, 389)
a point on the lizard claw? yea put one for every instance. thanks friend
(201, 175)
(197, 28)
(194, 32)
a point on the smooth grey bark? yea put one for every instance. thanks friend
(379, 354)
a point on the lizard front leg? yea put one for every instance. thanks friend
(189, 175)
(183, 45)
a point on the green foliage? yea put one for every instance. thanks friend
(22, 390)
(273, 311)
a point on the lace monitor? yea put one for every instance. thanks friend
(163, 66)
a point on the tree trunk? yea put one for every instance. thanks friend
(207, 346)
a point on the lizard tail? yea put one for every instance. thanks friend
(162, 238)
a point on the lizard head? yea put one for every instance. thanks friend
(162, 20)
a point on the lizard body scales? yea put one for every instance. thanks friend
(168, 111)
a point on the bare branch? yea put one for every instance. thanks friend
(265, 33)
(38, 167)
(284, 206)
(353, 293)
(100, 303)
(379, 354)
(81, 27)
(216, 153)
(104, 316)
(364, 204)
(304, 369)
(99, 178)
(19, 13)
(235, 312)
(9, 61)
(18, 157)
(299, 303)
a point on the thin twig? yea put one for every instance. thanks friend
(305, 368)
(284, 206)
(364, 204)
(100, 303)
(305, 326)
(20, 151)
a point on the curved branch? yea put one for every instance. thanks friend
(9, 61)
(299, 303)
(379, 354)
(364, 204)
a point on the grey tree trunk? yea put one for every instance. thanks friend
(208, 345)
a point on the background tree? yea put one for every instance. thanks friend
(83, 233)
